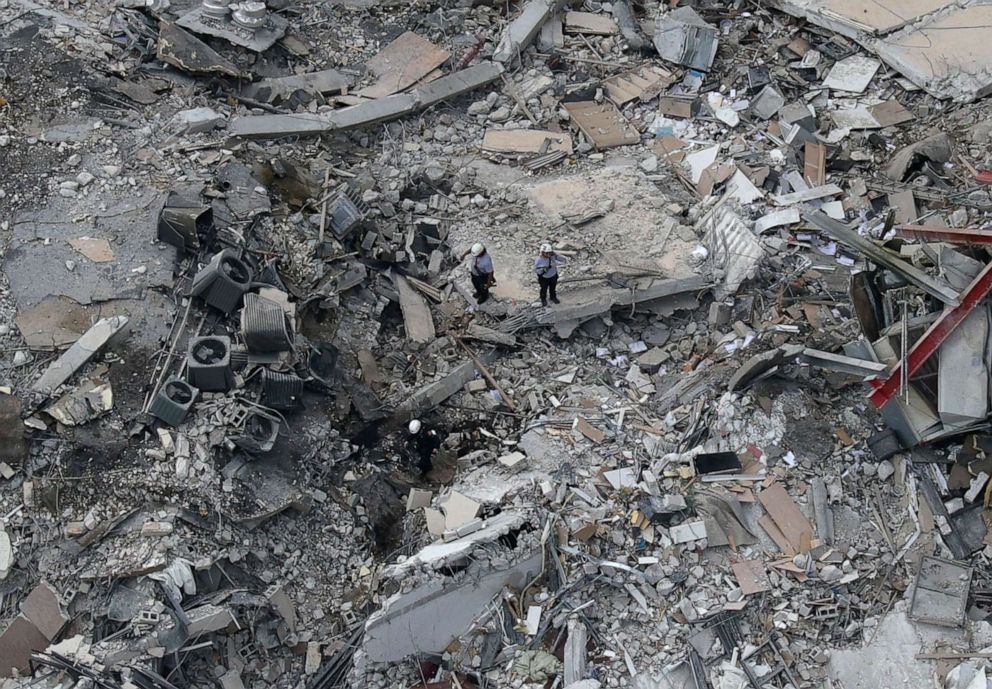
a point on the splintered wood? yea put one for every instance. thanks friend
(603, 124)
(785, 523)
(751, 576)
(402, 63)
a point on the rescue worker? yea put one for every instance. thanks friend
(546, 267)
(421, 444)
(483, 274)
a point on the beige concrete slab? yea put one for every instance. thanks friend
(948, 56)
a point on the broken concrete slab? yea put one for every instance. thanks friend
(270, 29)
(417, 318)
(940, 592)
(855, 19)
(946, 55)
(74, 358)
(371, 112)
(605, 300)
(42, 244)
(523, 29)
(526, 141)
(440, 554)
(185, 51)
(278, 89)
(852, 74)
(430, 617)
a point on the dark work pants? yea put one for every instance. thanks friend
(546, 285)
(481, 285)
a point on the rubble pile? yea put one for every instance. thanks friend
(284, 401)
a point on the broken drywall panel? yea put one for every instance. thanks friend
(963, 381)
(84, 349)
(852, 74)
(526, 141)
(732, 246)
(602, 123)
(683, 37)
(784, 216)
(700, 160)
(948, 55)
(401, 64)
(524, 28)
(807, 195)
(427, 619)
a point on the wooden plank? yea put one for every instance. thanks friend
(768, 524)
(751, 576)
(590, 24)
(525, 141)
(402, 63)
(416, 314)
(589, 431)
(815, 167)
(603, 124)
(787, 516)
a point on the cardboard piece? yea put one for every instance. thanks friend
(787, 517)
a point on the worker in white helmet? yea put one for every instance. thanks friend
(546, 267)
(482, 271)
(421, 445)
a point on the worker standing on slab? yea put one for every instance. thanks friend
(546, 267)
(421, 444)
(483, 273)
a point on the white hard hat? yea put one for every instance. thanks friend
(546, 248)
(477, 249)
(414, 426)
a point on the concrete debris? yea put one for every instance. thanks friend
(347, 440)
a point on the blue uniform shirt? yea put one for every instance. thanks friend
(482, 265)
(547, 267)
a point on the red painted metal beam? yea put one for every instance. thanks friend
(929, 343)
(929, 233)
